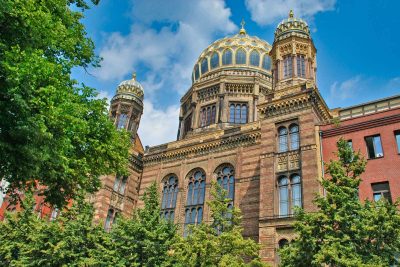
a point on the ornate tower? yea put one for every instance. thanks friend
(119, 194)
(290, 118)
(127, 105)
(293, 55)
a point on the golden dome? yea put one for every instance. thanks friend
(292, 27)
(130, 89)
(240, 51)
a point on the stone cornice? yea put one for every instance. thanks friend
(294, 102)
(136, 162)
(224, 141)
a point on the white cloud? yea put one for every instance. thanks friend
(158, 126)
(346, 89)
(165, 39)
(266, 12)
(170, 52)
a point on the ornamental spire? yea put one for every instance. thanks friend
(291, 15)
(134, 75)
(242, 30)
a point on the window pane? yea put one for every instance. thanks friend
(193, 216)
(377, 196)
(214, 60)
(294, 137)
(398, 141)
(370, 147)
(123, 185)
(296, 195)
(204, 66)
(227, 57)
(240, 56)
(255, 58)
(266, 62)
(195, 193)
(117, 182)
(202, 192)
(196, 72)
(244, 114)
(175, 196)
(231, 187)
(199, 215)
(378, 146)
(122, 120)
(237, 114)
(232, 113)
(213, 114)
(190, 193)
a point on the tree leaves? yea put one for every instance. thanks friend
(53, 132)
(345, 231)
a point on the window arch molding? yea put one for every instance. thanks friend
(195, 196)
(227, 57)
(255, 58)
(241, 56)
(289, 193)
(225, 176)
(170, 189)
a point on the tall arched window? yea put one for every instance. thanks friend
(195, 198)
(295, 184)
(255, 58)
(287, 67)
(227, 57)
(301, 66)
(169, 195)
(109, 219)
(283, 184)
(226, 179)
(207, 115)
(240, 56)
(290, 194)
(122, 120)
(204, 66)
(266, 64)
(214, 60)
(294, 137)
(283, 139)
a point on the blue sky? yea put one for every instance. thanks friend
(357, 45)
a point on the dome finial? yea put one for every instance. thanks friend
(291, 15)
(242, 30)
(134, 75)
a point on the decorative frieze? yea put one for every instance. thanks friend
(208, 93)
(288, 161)
(239, 88)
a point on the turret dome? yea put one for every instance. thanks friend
(240, 51)
(130, 89)
(292, 27)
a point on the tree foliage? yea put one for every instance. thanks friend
(220, 243)
(53, 131)
(144, 239)
(71, 240)
(345, 231)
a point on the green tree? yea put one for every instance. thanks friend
(220, 243)
(146, 238)
(345, 231)
(53, 131)
(71, 240)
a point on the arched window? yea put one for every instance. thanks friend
(207, 115)
(169, 195)
(120, 184)
(204, 66)
(196, 72)
(227, 57)
(214, 60)
(240, 56)
(238, 113)
(122, 120)
(294, 136)
(283, 242)
(255, 58)
(295, 184)
(195, 198)
(287, 67)
(226, 179)
(283, 139)
(109, 219)
(301, 66)
(283, 185)
(290, 194)
(266, 64)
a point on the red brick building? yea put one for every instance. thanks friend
(373, 128)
